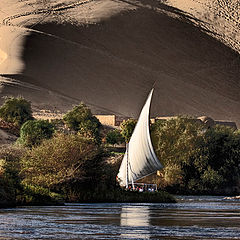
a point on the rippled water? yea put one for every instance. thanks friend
(190, 218)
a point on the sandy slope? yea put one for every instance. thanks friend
(6, 138)
(220, 17)
(109, 54)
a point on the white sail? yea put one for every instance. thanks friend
(140, 159)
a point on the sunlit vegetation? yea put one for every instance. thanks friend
(127, 128)
(81, 120)
(197, 159)
(16, 111)
(61, 160)
(33, 132)
(68, 159)
(10, 181)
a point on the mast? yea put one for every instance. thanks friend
(127, 178)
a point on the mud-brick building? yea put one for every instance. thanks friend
(115, 121)
(111, 120)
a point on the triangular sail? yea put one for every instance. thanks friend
(140, 159)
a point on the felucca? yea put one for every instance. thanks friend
(140, 159)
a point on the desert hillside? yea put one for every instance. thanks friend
(109, 53)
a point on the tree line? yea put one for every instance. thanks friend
(68, 158)
(197, 159)
(61, 159)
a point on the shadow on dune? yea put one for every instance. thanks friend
(113, 64)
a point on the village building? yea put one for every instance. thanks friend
(115, 121)
(111, 120)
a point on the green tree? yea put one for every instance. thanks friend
(80, 119)
(33, 132)
(197, 159)
(16, 111)
(10, 182)
(114, 137)
(176, 141)
(127, 128)
(223, 151)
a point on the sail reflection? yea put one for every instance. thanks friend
(135, 222)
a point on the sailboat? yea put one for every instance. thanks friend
(139, 159)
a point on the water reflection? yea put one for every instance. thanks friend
(135, 222)
(191, 218)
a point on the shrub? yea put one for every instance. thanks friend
(10, 163)
(36, 195)
(127, 128)
(211, 179)
(16, 111)
(63, 160)
(10, 182)
(80, 119)
(123, 196)
(114, 137)
(33, 132)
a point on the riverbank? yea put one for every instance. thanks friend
(116, 197)
(6, 204)
(37, 196)
(121, 196)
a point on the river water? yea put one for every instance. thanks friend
(201, 217)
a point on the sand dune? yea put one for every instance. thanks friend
(220, 18)
(109, 54)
